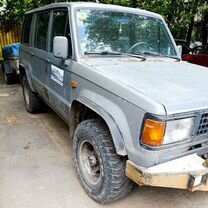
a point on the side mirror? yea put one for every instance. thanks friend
(60, 47)
(179, 50)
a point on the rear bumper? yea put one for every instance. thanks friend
(188, 172)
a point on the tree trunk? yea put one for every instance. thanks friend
(189, 33)
(205, 29)
(191, 25)
(134, 3)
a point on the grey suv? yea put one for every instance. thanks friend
(136, 112)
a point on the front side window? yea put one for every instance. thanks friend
(60, 27)
(26, 29)
(101, 30)
(41, 30)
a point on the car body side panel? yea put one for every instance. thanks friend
(115, 132)
(114, 100)
(200, 59)
(26, 65)
(128, 117)
(198, 56)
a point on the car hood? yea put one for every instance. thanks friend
(178, 86)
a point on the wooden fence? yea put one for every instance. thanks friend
(9, 33)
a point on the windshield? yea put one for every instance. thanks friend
(101, 30)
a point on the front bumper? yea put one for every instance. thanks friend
(189, 172)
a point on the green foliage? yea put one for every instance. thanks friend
(179, 14)
(14, 10)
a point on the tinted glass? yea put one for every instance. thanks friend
(26, 29)
(60, 27)
(41, 31)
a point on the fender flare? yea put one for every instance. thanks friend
(114, 129)
(28, 75)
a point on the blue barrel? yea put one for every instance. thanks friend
(11, 51)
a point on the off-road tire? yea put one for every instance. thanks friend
(33, 104)
(114, 183)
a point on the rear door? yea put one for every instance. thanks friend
(39, 53)
(59, 75)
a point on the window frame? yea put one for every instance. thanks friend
(23, 30)
(48, 29)
(76, 29)
(52, 25)
(70, 30)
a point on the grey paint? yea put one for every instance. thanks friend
(119, 143)
(166, 81)
(121, 89)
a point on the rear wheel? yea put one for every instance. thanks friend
(100, 170)
(33, 104)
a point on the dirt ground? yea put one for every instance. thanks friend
(36, 167)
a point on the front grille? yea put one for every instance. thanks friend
(203, 125)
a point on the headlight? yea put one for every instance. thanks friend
(157, 133)
(178, 130)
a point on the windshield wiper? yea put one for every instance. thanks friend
(114, 53)
(102, 53)
(148, 53)
(157, 54)
(137, 55)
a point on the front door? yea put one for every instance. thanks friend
(58, 73)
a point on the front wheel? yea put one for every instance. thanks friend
(100, 170)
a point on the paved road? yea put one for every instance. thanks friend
(36, 169)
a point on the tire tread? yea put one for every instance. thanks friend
(116, 185)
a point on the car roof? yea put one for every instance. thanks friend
(75, 5)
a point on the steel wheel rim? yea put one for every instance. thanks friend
(89, 163)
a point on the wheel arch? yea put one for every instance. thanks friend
(26, 71)
(82, 105)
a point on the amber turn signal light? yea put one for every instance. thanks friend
(73, 84)
(153, 132)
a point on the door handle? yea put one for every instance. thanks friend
(48, 60)
(32, 54)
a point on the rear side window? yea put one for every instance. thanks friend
(26, 29)
(41, 30)
(60, 27)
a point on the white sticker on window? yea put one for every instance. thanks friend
(57, 75)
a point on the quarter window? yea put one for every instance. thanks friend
(41, 31)
(26, 29)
